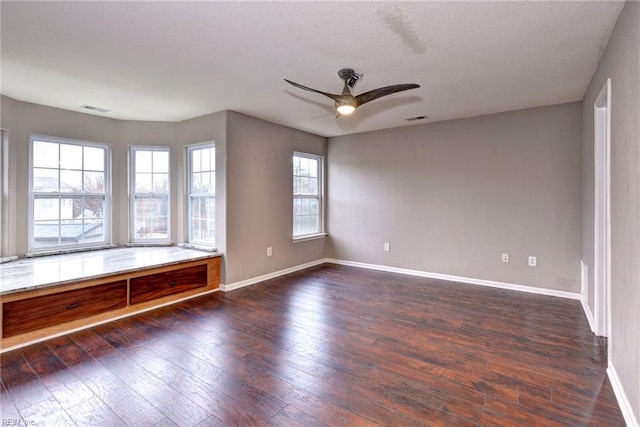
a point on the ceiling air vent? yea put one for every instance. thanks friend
(93, 108)
(413, 119)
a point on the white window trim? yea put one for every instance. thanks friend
(199, 244)
(107, 242)
(132, 196)
(321, 233)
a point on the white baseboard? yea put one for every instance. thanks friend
(589, 314)
(469, 280)
(621, 396)
(584, 295)
(254, 280)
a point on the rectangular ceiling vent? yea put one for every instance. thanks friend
(413, 119)
(96, 109)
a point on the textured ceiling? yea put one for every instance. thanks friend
(171, 61)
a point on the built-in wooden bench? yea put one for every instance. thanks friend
(48, 296)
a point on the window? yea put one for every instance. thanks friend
(202, 194)
(69, 199)
(149, 194)
(307, 195)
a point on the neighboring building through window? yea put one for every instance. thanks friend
(69, 203)
(201, 177)
(307, 195)
(149, 194)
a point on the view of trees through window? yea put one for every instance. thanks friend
(150, 207)
(307, 201)
(68, 194)
(202, 194)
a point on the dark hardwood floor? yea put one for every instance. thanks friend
(331, 345)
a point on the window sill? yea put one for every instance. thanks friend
(69, 251)
(146, 244)
(7, 259)
(199, 247)
(310, 237)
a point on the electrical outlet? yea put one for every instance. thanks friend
(387, 247)
(533, 261)
(269, 251)
(505, 257)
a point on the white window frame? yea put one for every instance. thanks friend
(133, 195)
(320, 232)
(106, 241)
(191, 195)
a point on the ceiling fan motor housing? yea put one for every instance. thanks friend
(349, 76)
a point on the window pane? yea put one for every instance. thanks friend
(70, 156)
(46, 233)
(313, 168)
(94, 182)
(46, 209)
(297, 227)
(160, 183)
(161, 161)
(143, 161)
(206, 160)
(206, 182)
(94, 159)
(70, 181)
(45, 180)
(151, 218)
(143, 183)
(90, 207)
(202, 219)
(196, 182)
(196, 164)
(45, 155)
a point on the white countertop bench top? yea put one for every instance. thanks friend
(38, 272)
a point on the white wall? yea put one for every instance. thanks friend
(450, 197)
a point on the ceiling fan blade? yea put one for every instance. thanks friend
(383, 91)
(299, 86)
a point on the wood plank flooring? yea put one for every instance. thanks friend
(331, 345)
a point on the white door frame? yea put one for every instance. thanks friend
(602, 228)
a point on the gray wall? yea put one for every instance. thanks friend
(22, 119)
(137, 133)
(621, 63)
(260, 197)
(253, 189)
(9, 115)
(37, 119)
(450, 197)
(211, 127)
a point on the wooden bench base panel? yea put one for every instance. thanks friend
(37, 314)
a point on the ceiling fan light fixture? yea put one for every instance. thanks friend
(345, 109)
